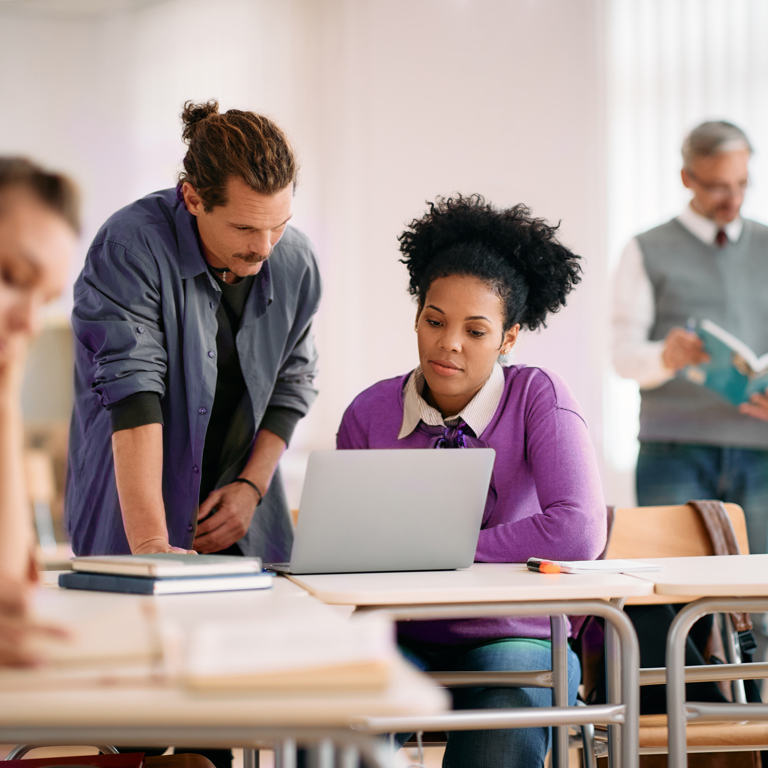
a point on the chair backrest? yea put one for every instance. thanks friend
(676, 531)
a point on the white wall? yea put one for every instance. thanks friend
(671, 64)
(389, 103)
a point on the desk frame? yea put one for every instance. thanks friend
(679, 712)
(622, 665)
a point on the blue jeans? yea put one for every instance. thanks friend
(675, 473)
(513, 747)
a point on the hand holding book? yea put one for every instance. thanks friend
(683, 347)
(733, 370)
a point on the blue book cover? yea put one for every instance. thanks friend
(142, 585)
(734, 370)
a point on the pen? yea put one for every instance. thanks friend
(542, 566)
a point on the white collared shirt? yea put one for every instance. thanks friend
(477, 413)
(634, 310)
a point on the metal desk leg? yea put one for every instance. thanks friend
(624, 662)
(560, 688)
(285, 754)
(324, 754)
(613, 686)
(349, 757)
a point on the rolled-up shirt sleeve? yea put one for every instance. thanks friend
(117, 318)
(635, 356)
(135, 411)
(281, 422)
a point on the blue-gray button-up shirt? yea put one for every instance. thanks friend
(144, 320)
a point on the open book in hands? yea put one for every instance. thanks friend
(734, 371)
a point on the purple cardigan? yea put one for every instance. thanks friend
(545, 499)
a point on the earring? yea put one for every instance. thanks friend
(504, 351)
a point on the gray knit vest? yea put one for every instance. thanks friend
(727, 285)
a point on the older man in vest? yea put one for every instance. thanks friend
(706, 263)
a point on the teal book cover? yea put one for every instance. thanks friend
(734, 371)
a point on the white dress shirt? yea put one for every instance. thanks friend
(477, 413)
(634, 310)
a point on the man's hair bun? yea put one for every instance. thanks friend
(235, 144)
(194, 114)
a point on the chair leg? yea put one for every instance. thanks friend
(588, 746)
(589, 760)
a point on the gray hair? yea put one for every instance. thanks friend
(711, 138)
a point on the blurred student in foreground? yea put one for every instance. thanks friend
(38, 233)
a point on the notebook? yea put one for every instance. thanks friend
(144, 585)
(390, 510)
(167, 565)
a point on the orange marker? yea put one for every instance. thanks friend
(542, 566)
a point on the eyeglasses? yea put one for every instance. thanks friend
(721, 190)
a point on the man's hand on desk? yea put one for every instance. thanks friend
(224, 517)
(757, 407)
(159, 544)
(16, 628)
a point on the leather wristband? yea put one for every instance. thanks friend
(253, 485)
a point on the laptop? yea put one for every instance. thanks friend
(390, 510)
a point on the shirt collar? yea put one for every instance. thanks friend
(477, 413)
(191, 261)
(706, 229)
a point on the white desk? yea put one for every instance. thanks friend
(159, 715)
(724, 584)
(482, 583)
(510, 589)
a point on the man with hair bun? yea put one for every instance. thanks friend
(707, 263)
(194, 353)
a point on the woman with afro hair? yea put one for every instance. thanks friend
(480, 274)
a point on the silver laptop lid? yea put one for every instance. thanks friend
(391, 510)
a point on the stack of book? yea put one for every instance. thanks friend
(166, 574)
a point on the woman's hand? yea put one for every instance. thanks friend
(17, 629)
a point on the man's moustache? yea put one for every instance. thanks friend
(250, 258)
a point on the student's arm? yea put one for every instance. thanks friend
(572, 524)
(16, 534)
(138, 456)
(351, 434)
(16, 539)
(235, 504)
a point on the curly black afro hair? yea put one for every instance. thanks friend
(518, 255)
